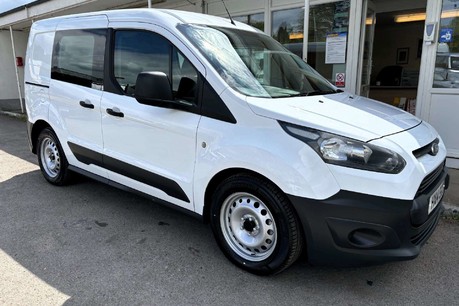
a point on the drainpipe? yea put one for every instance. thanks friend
(16, 69)
(203, 6)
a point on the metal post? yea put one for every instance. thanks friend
(149, 3)
(16, 69)
(203, 6)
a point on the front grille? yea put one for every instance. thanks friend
(430, 178)
(427, 228)
(425, 149)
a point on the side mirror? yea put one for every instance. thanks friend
(153, 88)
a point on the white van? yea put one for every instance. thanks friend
(222, 121)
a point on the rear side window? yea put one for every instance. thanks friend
(78, 57)
(137, 51)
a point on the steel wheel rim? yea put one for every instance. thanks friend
(248, 226)
(50, 158)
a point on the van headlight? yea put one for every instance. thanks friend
(347, 152)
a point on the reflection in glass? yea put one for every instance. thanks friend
(79, 57)
(256, 65)
(326, 19)
(255, 20)
(446, 74)
(137, 51)
(288, 29)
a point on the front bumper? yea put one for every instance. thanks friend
(351, 228)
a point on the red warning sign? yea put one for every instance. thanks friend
(340, 79)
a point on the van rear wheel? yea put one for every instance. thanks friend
(255, 225)
(51, 158)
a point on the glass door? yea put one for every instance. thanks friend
(327, 39)
(439, 77)
(332, 40)
(366, 47)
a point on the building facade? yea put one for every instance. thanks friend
(404, 53)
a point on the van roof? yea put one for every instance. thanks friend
(165, 17)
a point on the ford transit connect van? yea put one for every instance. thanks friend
(222, 121)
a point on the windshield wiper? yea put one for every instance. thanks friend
(315, 93)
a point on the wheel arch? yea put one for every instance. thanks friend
(223, 175)
(37, 127)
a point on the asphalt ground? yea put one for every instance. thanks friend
(89, 243)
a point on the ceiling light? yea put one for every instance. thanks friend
(410, 17)
(450, 14)
(296, 36)
(422, 16)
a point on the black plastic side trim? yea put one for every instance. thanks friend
(86, 156)
(131, 190)
(35, 84)
(169, 186)
(212, 105)
(110, 84)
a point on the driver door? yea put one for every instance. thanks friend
(149, 148)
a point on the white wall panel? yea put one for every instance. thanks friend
(8, 83)
(444, 112)
(236, 7)
(277, 3)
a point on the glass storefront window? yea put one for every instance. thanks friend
(327, 39)
(255, 20)
(446, 74)
(288, 29)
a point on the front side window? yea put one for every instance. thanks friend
(255, 64)
(141, 51)
(78, 57)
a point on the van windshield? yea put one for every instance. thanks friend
(255, 64)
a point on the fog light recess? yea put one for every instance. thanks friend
(365, 238)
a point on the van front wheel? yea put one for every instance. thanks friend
(255, 225)
(51, 158)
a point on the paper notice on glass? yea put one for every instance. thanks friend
(335, 48)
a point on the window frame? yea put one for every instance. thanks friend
(208, 104)
(100, 36)
(112, 85)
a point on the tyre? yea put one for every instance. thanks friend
(51, 158)
(255, 225)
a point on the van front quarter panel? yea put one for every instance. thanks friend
(259, 145)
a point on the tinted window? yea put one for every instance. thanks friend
(78, 57)
(455, 62)
(138, 51)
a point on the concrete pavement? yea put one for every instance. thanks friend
(89, 243)
(451, 198)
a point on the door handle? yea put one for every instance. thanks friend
(115, 112)
(87, 104)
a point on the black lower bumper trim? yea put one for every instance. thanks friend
(351, 229)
